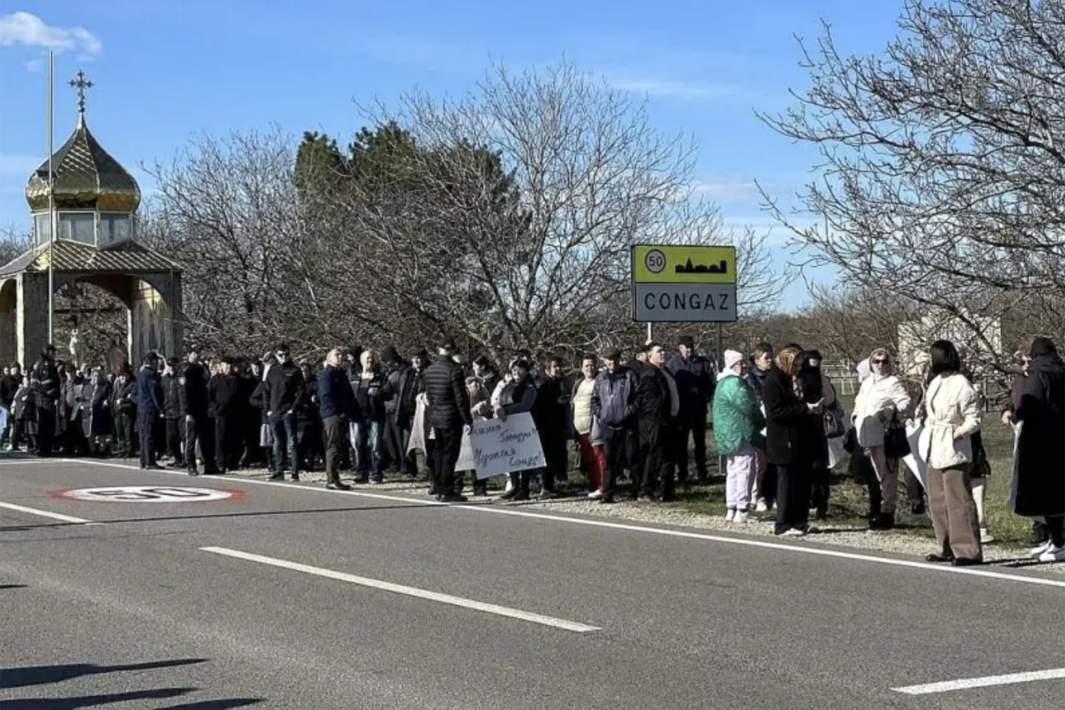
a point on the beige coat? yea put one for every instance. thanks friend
(951, 417)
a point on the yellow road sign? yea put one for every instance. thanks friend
(681, 264)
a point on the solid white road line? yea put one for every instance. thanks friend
(408, 591)
(983, 682)
(47, 514)
(749, 542)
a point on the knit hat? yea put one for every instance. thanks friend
(731, 358)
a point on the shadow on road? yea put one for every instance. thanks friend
(89, 701)
(216, 704)
(38, 675)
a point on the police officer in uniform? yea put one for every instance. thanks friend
(44, 381)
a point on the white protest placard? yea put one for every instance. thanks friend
(505, 445)
(913, 460)
(466, 461)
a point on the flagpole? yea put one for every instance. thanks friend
(51, 205)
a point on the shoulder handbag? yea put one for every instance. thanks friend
(896, 444)
(835, 426)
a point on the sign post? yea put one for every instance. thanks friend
(676, 283)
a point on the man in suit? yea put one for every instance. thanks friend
(149, 408)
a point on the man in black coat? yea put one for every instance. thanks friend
(283, 392)
(657, 407)
(449, 402)
(175, 425)
(44, 380)
(149, 408)
(552, 417)
(193, 398)
(336, 403)
(392, 368)
(223, 397)
(695, 384)
(412, 384)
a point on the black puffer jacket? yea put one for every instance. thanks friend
(171, 396)
(445, 386)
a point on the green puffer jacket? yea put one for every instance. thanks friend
(737, 415)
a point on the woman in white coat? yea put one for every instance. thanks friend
(881, 399)
(951, 415)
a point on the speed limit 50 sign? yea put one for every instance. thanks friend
(148, 494)
(677, 283)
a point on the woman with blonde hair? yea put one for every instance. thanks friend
(881, 400)
(791, 435)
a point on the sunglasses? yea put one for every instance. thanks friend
(881, 361)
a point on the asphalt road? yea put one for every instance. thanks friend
(133, 612)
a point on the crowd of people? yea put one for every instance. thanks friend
(639, 426)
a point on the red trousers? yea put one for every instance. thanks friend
(594, 461)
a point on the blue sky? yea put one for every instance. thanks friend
(167, 70)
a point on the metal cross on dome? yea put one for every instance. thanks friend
(80, 84)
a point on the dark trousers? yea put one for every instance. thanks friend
(174, 436)
(333, 431)
(793, 496)
(18, 430)
(227, 441)
(615, 451)
(284, 428)
(199, 430)
(392, 438)
(124, 434)
(146, 427)
(694, 427)
(658, 442)
(45, 431)
(1055, 526)
(410, 458)
(556, 458)
(448, 444)
(75, 443)
(821, 489)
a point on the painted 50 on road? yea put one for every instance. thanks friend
(148, 494)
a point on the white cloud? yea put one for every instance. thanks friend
(726, 189)
(28, 30)
(671, 88)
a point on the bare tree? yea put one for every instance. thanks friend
(943, 169)
(226, 210)
(531, 191)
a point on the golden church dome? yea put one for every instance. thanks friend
(86, 177)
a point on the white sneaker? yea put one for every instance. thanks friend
(985, 537)
(596, 494)
(1053, 554)
(760, 506)
(793, 532)
(730, 515)
(741, 517)
(1037, 551)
